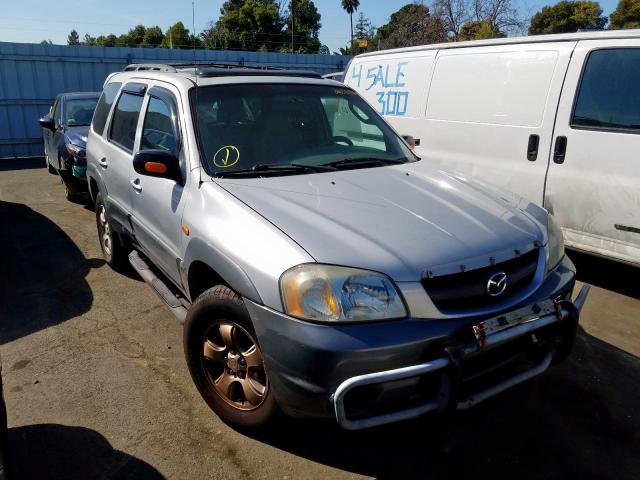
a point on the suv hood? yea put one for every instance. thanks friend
(392, 219)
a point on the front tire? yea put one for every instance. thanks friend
(225, 360)
(112, 249)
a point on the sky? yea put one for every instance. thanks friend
(31, 21)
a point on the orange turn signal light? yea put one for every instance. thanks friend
(155, 167)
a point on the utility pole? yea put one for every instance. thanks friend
(292, 27)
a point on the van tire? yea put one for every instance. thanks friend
(110, 244)
(216, 309)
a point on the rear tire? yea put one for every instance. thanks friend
(225, 360)
(112, 249)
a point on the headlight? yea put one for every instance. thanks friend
(555, 244)
(76, 151)
(329, 293)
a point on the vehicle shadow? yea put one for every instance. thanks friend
(577, 420)
(51, 451)
(601, 272)
(42, 282)
(7, 164)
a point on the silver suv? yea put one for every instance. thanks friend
(315, 268)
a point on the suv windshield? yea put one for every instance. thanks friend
(276, 129)
(78, 112)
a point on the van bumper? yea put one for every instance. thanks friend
(380, 372)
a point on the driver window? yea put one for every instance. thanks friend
(158, 132)
(344, 123)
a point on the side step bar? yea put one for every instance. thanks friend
(158, 286)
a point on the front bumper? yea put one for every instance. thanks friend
(381, 372)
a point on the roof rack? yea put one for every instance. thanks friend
(216, 69)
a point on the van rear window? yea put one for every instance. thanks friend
(104, 106)
(609, 95)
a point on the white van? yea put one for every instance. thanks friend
(553, 118)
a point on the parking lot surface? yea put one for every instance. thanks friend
(97, 387)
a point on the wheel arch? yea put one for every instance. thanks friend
(206, 267)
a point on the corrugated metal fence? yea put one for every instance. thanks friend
(32, 75)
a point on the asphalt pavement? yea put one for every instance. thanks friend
(97, 387)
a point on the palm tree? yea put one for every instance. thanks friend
(350, 6)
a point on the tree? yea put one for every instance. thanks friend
(501, 15)
(568, 17)
(324, 50)
(350, 6)
(475, 30)
(108, 41)
(411, 25)
(89, 41)
(177, 36)
(627, 15)
(46, 42)
(153, 37)
(73, 38)
(307, 26)
(453, 14)
(135, 36)
(248, 25)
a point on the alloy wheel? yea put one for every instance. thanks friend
(105, 231)
(234, 366)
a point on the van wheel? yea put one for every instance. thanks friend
(225, 359)
(112, 249)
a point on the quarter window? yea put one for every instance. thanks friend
(159, 132)
(104, 106)
(609, 97)
(125, 120)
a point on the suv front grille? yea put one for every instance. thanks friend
(468, 290)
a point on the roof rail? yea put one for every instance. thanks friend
(156, 67)
(217, 69)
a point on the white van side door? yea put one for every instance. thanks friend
(593, 185)
(490, 113)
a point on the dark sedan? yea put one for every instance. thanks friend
(65, 131)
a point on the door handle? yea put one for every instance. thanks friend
(532, 147)
(103, 162)
(136, 185)
(560, 150)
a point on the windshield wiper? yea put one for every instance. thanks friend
(363, 161)
(266, 167)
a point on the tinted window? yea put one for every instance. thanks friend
(158, 131)
(241, 126)
(125, 120)
(104, 106)
(78, 111)
(609, 96)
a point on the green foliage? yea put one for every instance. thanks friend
(106, 41)
(89, 41)
(568, 17)
(73, 38)
(153, 37)
(176, 36)
(248, 25)
(479, 30)
(350, 6)
(411, 25)
(306, 26)
(627, 15)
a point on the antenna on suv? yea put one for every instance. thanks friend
(195, 74)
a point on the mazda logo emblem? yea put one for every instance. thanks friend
(497, 284)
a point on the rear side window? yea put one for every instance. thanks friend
(104, 106)
(125, 120)
(609, 95)
(159, 131)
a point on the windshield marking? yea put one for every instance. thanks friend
(226, 156)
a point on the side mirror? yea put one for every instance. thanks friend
(157, 163)
(413, 142)
(48, 123)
